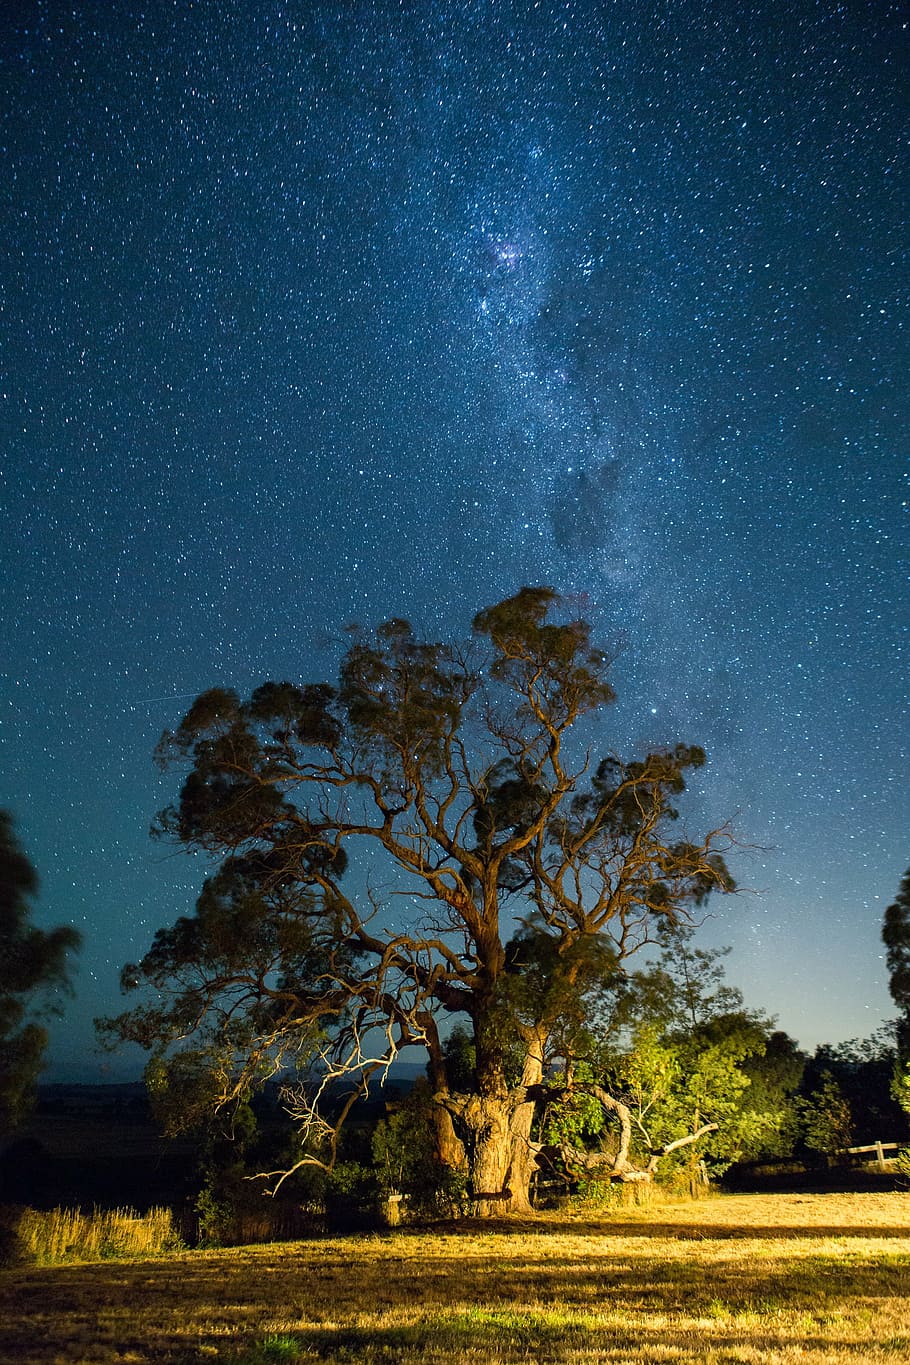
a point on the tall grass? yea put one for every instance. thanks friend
(68, 1235)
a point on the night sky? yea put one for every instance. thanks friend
(316, 313)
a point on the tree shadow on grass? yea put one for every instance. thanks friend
(186, 1308)
(670, 1230)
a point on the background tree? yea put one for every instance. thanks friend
(896, 937)
(32, 965)
(458, 780)
(862, 1071)
(826, 1119)
(775, 1076)
(404, 1155)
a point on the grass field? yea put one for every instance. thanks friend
(745, 1278)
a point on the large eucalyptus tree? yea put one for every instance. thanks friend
(427, 842)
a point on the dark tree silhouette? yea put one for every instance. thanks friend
(863, 1071)
(896, 936)
(32, 964)
(425, 844)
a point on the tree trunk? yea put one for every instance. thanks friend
(449, 1146)
(524, 1152)
(501, 1159)
(492, 1132)
(523, 1158)
(501, 1155)
(488, 1121)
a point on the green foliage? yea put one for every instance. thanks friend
(352, 1180)
(352, 1197)
(406, 1162)
(902, 1166)
(402, 701)
(679, 1081)
(226, 1192)
(774, 1079)
(33, 965)
(403, 1146)
(675, 1045)
(896, 936)
(567, 671)
(279, 1346)
(594, 1191)
(826, 1120)
(900, 1085)
(557, 980)
(697, 1056)
(183, 1090)
(864, 1071)
(575, 1120)
(460, 1055)
(217, 1217)
(226, 982)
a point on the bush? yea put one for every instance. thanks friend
(595, 1191)
(902, 1167)
(405, 1161)
(240, 1213)
(352, 1198)
(826, 1120)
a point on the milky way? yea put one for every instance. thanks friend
(329, 312)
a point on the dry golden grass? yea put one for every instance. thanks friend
(69, 1235)
(750, 1278)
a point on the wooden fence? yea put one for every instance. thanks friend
(879, 1148)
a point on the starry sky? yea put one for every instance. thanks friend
(327, 312)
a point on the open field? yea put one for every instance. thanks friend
(744, 1278)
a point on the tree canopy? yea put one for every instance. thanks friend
(427, 842)
(33, 962)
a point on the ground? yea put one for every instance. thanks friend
(744, 1278)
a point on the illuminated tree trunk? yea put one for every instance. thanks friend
(501, 1154)
(450, 1150)
(488, 1122)
(524, 1151)
(449, 1147)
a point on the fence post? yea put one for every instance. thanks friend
(391, 1210)
(880, 1153)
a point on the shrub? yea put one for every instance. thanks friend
(352, 1197)
(405, 1161)
(902, 1167)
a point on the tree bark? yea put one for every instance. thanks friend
(493, 1132)
(524, 1152)
(488, 1122)
(498, 1125)
(449, 1147)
